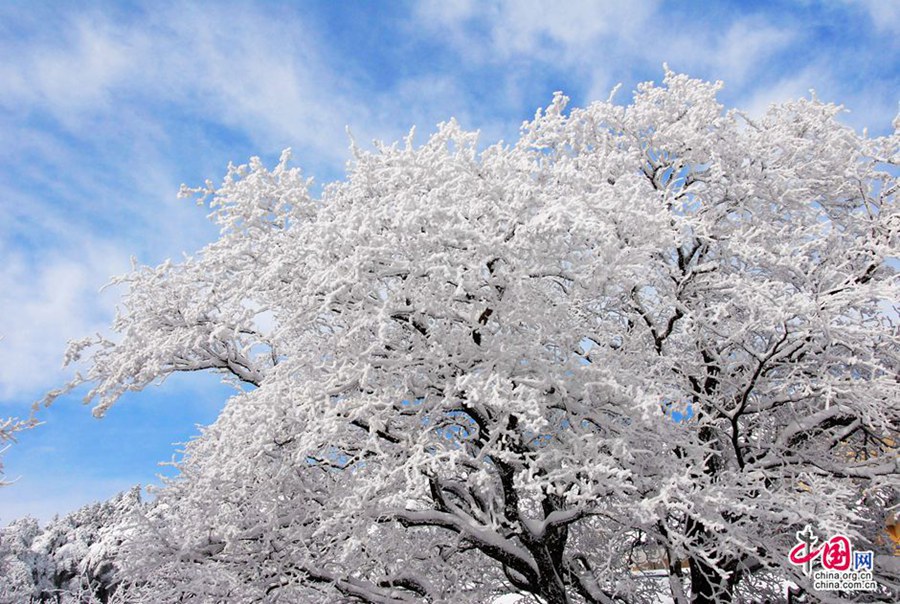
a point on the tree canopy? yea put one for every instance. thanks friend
(659, 327)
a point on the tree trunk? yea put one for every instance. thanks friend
(553, 591)
(707, 585)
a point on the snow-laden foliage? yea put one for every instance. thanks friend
(659, 328)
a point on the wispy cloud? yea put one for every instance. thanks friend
(79, 76)
(759, 53)
(229, 65)
(732, 52)
(885, 15)
(531, 28)
(47, 300)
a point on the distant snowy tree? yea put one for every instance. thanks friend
(107, 526)
(72, 560)
(654, 327)
(18, 561)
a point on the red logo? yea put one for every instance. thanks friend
(834, 554)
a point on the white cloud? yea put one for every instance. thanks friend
(606, 42)
(69, 75)
(570, 32)
(885, 14)
(82, 74)
(745, 49)
(256, 74)
(231, 65)
(47, 300)
(448, 11)
(741, 53)
(792, 87)
(526, 26)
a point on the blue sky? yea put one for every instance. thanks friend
(106, 108)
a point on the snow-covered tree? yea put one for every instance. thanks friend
(659, 326)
